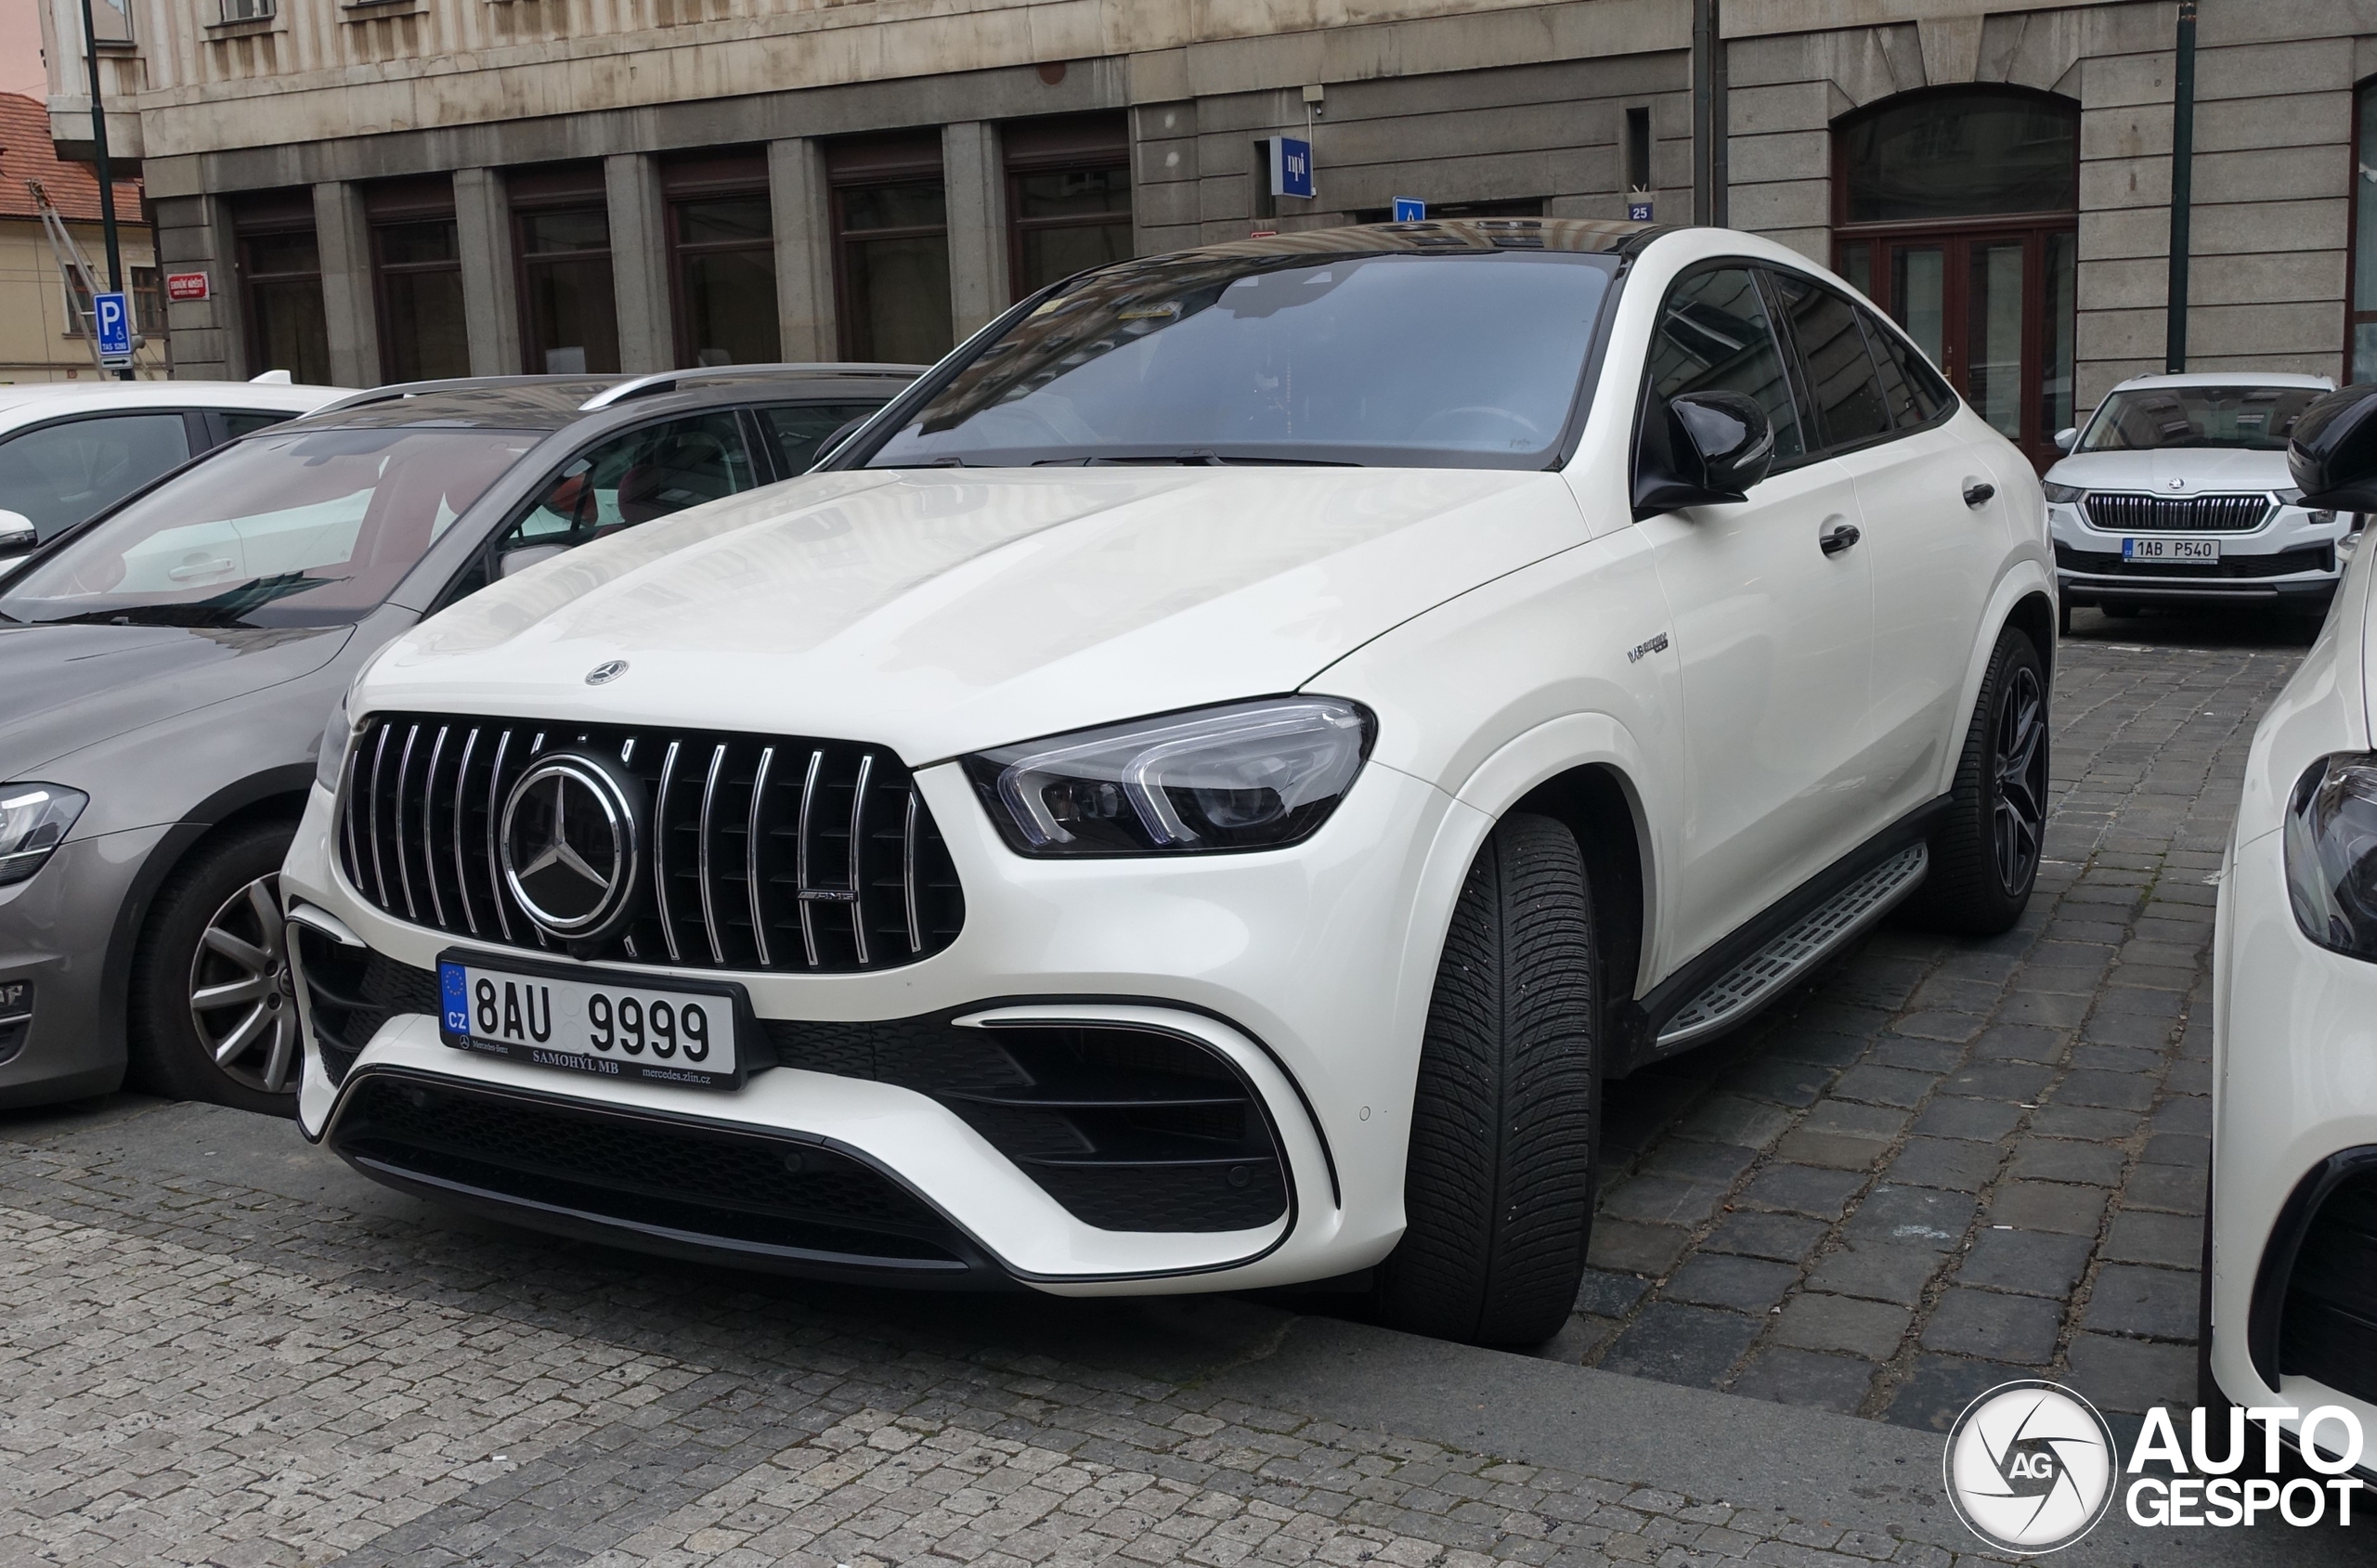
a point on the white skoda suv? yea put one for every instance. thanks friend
(2176, 492)
(2291, 1308)
(1200, 790)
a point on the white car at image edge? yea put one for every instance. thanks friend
(2291, 1275)
(1200, 790)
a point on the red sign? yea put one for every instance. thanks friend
(185, 285)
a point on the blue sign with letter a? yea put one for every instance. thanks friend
(1291, 167)
(1410, 209)
(114, 321)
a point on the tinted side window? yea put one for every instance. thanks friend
(1840, 376)
(1915, 391)
(636, 477)
(1715, 335)
(237, 423)
(799, 428)
(61, 473)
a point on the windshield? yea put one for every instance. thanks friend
(288, 529)
(2257, 418)
(1467, 361)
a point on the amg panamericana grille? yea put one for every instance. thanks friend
(764, 853)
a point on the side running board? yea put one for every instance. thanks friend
(1757, 979)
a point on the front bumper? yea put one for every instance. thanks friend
(62, 936)
(2295, 1104)
(2292, 557)
(1307, 971)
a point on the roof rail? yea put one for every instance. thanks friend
(396, 390)
(668, 381)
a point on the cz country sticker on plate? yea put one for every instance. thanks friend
(2191, 551)
(585, 1021)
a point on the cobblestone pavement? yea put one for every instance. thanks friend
(1949, 1163)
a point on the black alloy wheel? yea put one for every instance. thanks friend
(1985, 853)
(213, 1013)
(2017, 825)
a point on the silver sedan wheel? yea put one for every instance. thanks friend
(243, 999)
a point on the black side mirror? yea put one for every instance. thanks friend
(2333, 452)
(1720, 444)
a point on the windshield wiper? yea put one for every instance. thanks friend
(1194, 458)
(230, 607)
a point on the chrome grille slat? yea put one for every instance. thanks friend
(429, 823)
(751, 853)
(801, 857)
(404, 861)
(462, 782)
(701, 857)
(858, 847)
(790, 856)
(2117, 510)
(661, 852)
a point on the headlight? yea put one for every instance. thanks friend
(34, 819)
(331, 757)
(2331, 853)
(1252, 775)
(2063, 495)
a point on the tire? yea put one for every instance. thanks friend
(1985, 857)
(224, 888)
(1498, 1190)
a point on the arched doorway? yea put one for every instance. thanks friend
(1957, 210)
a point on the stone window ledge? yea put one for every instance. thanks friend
(247, 27)
(372, 11)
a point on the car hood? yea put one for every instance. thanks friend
(937, 611)
(2197, 469)
(63, 688)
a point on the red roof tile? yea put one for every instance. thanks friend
(26, 153)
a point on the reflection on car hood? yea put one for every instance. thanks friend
(941, 611)
(2197, 469)
(66, 687)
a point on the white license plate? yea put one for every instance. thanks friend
(595, 1024)
(2189, 550)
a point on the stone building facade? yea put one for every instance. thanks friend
(391, 189)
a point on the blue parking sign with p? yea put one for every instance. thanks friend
(114, 323)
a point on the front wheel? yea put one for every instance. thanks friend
(214, 1006)
(1985, 856)
(1498, 1190)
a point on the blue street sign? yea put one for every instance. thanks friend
(1637, 212)
(1410, 209)
(114, 326)
(1291, 167)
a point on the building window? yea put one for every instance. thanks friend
(281, 288)
(250, 10)
(417, 274)
(890, 249)
(111, 21)
(1958, 211)
(1067, 197)
(569, 318)
(2360, 352)
(724, 257)
(147, 303)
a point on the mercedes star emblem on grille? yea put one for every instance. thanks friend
(606, 672)
(570, 838)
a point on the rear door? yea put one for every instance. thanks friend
(1772, 632)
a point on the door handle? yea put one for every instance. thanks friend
(1840, 539)
(1978, 496)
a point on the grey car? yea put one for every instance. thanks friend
(166, 670)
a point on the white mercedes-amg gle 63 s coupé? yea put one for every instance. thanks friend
(1201, 790)
(2291, 1271)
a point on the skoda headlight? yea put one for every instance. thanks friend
(1252, 775)
(2331, 853)
(33, 819)
(331, 757)
(2063, 495)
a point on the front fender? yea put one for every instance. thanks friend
(2022, 579)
